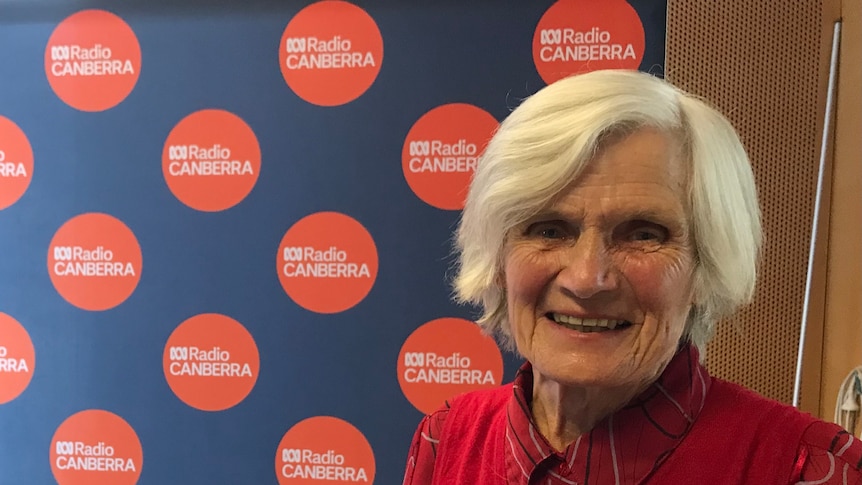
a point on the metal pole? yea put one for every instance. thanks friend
(827, 119)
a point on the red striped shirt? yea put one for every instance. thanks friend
(685, 428)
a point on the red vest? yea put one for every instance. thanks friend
(738, 438)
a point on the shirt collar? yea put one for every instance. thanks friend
(622, 448)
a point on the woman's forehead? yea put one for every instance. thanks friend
(643, 162)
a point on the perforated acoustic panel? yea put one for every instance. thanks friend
(764, 65)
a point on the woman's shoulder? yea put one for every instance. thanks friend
(732, 397)
(476, 401)
(460, 410)
(830, 454)
(825, 452)
(466, 406)
(494, 396)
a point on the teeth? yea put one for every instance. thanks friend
(587, 324)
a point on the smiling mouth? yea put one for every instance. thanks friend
(588, 325)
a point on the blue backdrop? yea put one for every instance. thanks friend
(347, 158)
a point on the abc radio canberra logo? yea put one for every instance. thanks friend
(327, 262)
(324, 448)
(211, 160)
(576, 36)
(96, 447)
(446, 357)
(92, 60)
(77, 455)
(330, 53)
(76, 60)
(441, 152)
(94, 261)
(211, 362)
(448, 157)
(16, 163)
(17, 358)
(313, 53)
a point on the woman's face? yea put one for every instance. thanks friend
(599, 284)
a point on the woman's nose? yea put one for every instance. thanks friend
(588, 267)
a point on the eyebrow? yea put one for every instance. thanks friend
(651, 214)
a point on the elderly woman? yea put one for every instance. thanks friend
(611, 222)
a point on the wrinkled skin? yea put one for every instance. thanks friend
(615, 245)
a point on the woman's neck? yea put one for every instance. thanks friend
(562, 413)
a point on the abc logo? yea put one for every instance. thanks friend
(294, 44)
(63, 253)
(65, 448)
(292, 254)
(179, 353)
(178, 152)
(60, 53)
(291, 455)
(419, 148)
(414, 359)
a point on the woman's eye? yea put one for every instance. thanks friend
(547, 231)
(647, 233)
(550, 233)
(644, 236)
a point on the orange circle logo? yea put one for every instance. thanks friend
(16, 163)
(94, 261)
(211, 160)
(441, 150)
(17, 358)
(211, 362)
(327, 262)
(444, 358)
(92, 60)
(330, 53)
(324, 449)
(96, 447)
(576, 36)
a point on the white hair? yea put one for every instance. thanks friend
(542, 146)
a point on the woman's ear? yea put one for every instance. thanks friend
(500, 278)
(696, 291)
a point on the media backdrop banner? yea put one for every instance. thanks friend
(225, 230)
